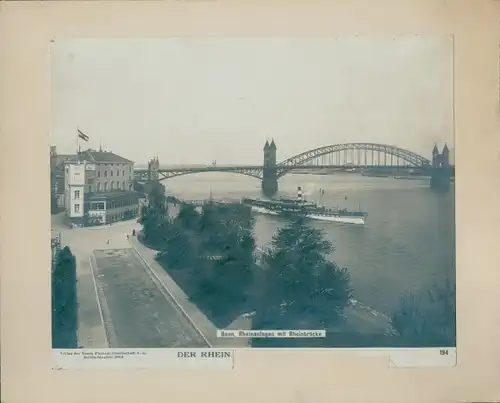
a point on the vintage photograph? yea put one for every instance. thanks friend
(253, 192)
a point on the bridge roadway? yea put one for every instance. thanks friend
(229, 168)
(257, 171)
(339, 157)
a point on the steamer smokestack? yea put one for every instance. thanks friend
(299, 194)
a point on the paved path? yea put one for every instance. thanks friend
(191, 310)
(82, 242)
(137, 311)
(92, 333)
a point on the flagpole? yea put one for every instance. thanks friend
(77, 141)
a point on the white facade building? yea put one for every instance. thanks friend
(98, 188)
(74, 195)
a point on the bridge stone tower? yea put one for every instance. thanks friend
(269, 177)
(441, 171)
(153, 167)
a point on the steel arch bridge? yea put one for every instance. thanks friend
(347, 155)
(168, 173)
(354, 155)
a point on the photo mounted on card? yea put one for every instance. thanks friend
(213, 195)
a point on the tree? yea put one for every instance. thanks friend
(154, 216)
(237, 216)
(428, 319)
(332, 293)
(212, 255)
(211, 227)
(246, 248)
(221, 238)
(231, 233)
(300, 282)
(215, 235)
(188, 217)
(179, 247)
(156, 198)
(227, 229)
(179, 242)
(232, 274)
(64, 301)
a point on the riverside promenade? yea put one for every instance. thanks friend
(83, 242)
(204, 325)
(96, 294)
(112, 239)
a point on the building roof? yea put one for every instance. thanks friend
(99, 157)
(63, 157)
(56, 160)
(104, 156)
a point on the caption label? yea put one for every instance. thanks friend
(204, 358)
(278, 334)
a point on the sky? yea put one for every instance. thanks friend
(192, 101)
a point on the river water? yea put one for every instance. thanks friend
(407, 244)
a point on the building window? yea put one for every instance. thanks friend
(130, 168)
(77, 194)
(97, 206)
(118, 185)
(117, 172)
(123, 172)
(112, 185)
(105, 174)
(105, 186)
(98, 186)
(110, 172)
(124, 185)
(77, 208)
(98, 174)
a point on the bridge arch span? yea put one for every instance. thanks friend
(251, 172)
(413, 159)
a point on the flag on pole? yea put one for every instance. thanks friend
(82, 135)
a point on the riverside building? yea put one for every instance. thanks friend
(99, 188)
